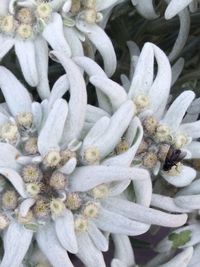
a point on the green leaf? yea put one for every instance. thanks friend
(180, 239)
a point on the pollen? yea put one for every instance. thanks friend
(81, 224)
(73, 201)
(150, 124)
(90, 210)
(30, 146)
(8, 24)
(180, 141)
(25, 16)
(163, 133)
(25, 119)
(141, 102)
(24, 31)
(57, 207)
(33, 189)
(9, 200)
(100, 191)
(31, 173)
(4, 221)
(90, 15)
(150, 159)
(75, 7)
(43, 11)
(41, 209)
(92, 155)
(52, 159)
(9, 132)
(122, 147)
(89, 3)
(58, 180)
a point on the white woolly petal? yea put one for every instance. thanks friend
(178, 107)
(16, 95)
(123, 249)
(97, 237)
(117, 263)
(177, 69)
(175, 7)
(191, 129)
(78, 98)
(115, 223)
(145, 8)
(143, 75)
(184, 18)
(93, 114)
(51, 132)
(87, 177)
(69, 167)
(111, 137)
(116, 93)
(116, 188)
(17, 240)
(134, 52)
(52, 249)
(42, 56)
(160, 88)
(192, 189)
(60, 87)
(194, 148)
(103, 44)
(185, 177)
(73, 41)
(15, 179)
(64, 227)
(26, 54)
(6, 44)
(92, 68)
(53, 33)
(25, 206)
(188, 202)
(194, 262)
(37, 115)
(88, 253)
(126, 83)
(3, 7)
(166, 203)
(8, 156)
(144, 214)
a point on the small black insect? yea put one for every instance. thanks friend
(173, 157)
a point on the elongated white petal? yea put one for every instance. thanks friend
(190, 202)
(191, 129)
(15, 179)
(93, 114)
(53, 33)
(184, 178)
(16, 243)
(41, 50)
(160, 88)
(92, 68)
(194, 148)
(175, 7)
(4, 8)
(123, 249)
(16, 95)
(51, 132)
(97, 237)
(78, 98)
(184, 18)
(143, 75)
(26, 54)
(8, 156)
(64, 226)
(87, 177)
(194, 262)
(116, 188)
(52, 249)
(145, 8)
(118, 224)
(25, 206)
(6, 44)
(144, 214)
(166, 203)
(60, 87)
(103, 44)
(88, 253)
(69, 167)
(192, 189)
(73, 41)
(101, 5)
(193, 238)
(117, 263)
(134, 52)
(178, 107)
(126, 83)
(177, 69)
(108, 141)
(111, 89)
(37, 115)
